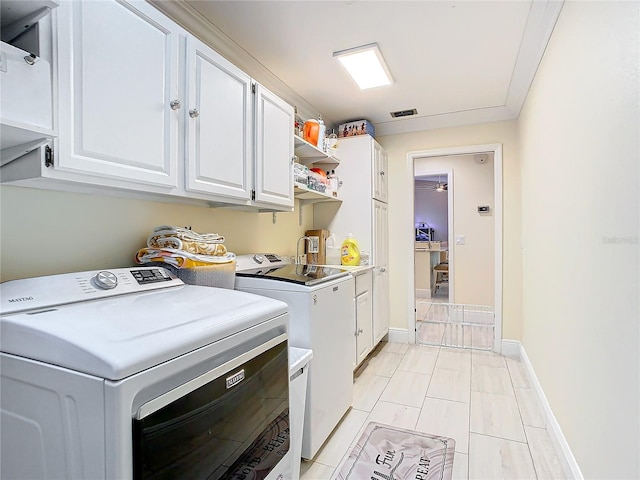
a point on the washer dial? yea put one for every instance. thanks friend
(105, 280)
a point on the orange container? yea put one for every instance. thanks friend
(311, 130)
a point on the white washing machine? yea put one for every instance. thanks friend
(322, 318)
(129, 373)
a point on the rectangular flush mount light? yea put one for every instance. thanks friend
(366, 65)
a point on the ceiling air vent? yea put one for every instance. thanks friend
(404, 113)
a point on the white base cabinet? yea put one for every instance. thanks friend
(364, 316)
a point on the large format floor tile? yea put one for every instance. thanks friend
(401, 416)
(315, 471)
(489, 359)
(406, 388)
(518, 373)
(482, 400)
(545, 459)
(530, 409)
(419, 359)
(383, 364)
(367, 390)
(489, 379)
(341, 439)
(497, 458)
(450, 384)
(496, 415)
(454, 359)
(447, 419)
(460, 466)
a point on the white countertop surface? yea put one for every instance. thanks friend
(353, 269)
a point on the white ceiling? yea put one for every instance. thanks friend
(455, 62)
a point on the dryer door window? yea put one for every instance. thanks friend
(235, 425)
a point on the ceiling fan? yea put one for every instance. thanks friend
(438, 187)
(441, 186)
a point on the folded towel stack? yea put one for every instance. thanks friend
(184, 248)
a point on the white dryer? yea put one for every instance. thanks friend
(129, 373)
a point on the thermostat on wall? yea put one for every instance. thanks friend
(484, 209)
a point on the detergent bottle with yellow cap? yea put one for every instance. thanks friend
(350, 252)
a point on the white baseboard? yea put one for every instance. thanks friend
(399, 335)
(423, 293)
(513, 348)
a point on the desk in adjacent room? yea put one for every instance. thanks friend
(427, 256)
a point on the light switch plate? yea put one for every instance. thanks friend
(459, 239)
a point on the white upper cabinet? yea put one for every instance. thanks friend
(274, 149)
(379, 173)
(118, 91)
(145, 109)
(219, 124)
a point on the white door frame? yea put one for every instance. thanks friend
(449, 174)
(408, 233)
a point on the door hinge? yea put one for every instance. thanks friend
(253, 194)
(48, 156)
(253, 88)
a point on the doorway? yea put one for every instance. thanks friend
(426, 162)
(433, 216)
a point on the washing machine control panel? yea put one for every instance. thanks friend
(154, 275)
(45, 292)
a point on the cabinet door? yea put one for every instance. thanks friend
(379, 173)
(219, 124)
(381, 273)
(274, 149)
(118, 74)
(364, 324)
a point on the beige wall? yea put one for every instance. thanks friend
(474, 262)
(45, 232)
(401, 211)
(579, 148)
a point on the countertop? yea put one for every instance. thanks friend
(353, 269)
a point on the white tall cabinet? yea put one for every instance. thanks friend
(363, 212)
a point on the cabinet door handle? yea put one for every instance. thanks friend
(382, 172)
(175, 104)
(382, 269)
(360, 331)
(193, 113)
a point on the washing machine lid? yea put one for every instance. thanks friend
(308, 275)
(120, 335)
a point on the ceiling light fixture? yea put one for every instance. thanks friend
(366, 65)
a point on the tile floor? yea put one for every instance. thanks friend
(482, 400)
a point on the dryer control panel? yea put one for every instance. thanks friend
(45, 292)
